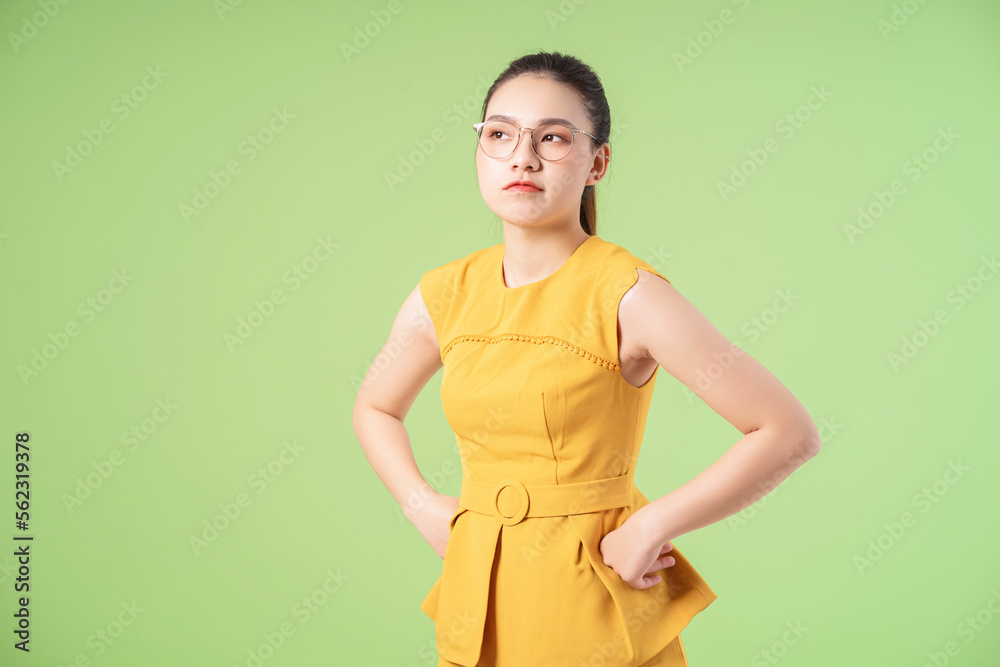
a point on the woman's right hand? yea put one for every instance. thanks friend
(432, 519)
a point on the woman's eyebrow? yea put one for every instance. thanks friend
(541, 121)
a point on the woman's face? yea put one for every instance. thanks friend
(526, 100)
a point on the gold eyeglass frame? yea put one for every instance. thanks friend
(478, 127)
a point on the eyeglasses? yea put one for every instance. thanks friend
(500, 139)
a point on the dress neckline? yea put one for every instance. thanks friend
(574, 255)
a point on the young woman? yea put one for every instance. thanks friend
(550, 344)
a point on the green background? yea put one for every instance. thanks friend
(402, 105)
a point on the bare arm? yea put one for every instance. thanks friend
(408, 360)
(779, 436)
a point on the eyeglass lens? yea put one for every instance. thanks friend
(551, 142)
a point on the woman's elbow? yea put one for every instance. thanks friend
(807, 437)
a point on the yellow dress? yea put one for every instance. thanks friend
(548, 434)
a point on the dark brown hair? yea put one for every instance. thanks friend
(581, 78)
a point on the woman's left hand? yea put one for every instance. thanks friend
(628, 552)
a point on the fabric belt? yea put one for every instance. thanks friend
(510, 501)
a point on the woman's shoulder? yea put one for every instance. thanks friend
(618, 264)
(443, 284)
(457, 265)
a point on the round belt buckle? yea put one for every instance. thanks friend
(522, 510)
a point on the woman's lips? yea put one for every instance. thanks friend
(522, 188)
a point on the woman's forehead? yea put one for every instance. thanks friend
(529, 101)
(540, 121)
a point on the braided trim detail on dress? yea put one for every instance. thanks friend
(538, 340)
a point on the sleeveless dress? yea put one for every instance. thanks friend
(548, 433)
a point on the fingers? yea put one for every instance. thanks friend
(661, 563)
(646, 582)
(650, 579)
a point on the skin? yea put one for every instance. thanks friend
(541, 229)
(656, 326)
